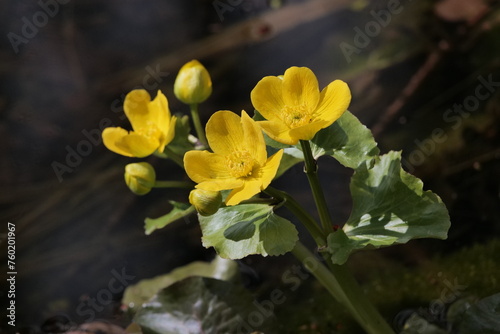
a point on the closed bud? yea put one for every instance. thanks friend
(140, 177)
(193, 83)
(206, 202)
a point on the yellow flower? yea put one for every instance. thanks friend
(239, 161)
(140, 177)
(153, 126)
(293, 106)
(193, 83)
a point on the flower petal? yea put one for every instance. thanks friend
(225, 132)
(249, 189)
(269, 170)
(267, 97)
(111, 137)
(220, 184)
(205, 166)
(159, 113)
(308, 131)
(168, 136)
(300, 88)
(136, 107)
(278, 131)
(140, 146)
(254, 138)
(335, 99)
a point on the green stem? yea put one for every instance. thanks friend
(168, 153)
(195, 115)
(306, 219)
(343, 287)
(311, 169)
(174, 184)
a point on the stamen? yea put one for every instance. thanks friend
(240, 163)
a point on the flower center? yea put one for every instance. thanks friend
(240, 163)
(295, 116)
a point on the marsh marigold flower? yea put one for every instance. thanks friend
(193, 83)
(153, 126)
(293, 106)
(239, 160)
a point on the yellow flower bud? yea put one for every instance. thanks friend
(140, 177)
(193, 83)
(206, 202)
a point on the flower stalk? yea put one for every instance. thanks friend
(305, 218)
(344, 288)
(311, 170)
(200, 132)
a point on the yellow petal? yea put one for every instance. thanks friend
(335, 99)
(204, 166)
(300, 88)
(267, 98)
(111, 137)
(278, 131)
(225, 132)
(220, 184)
(254, 138)
(139, 145)
(308, 131)
(249, 189)
(159, 113)
(168, 135)
(268, 172)
(136, 107)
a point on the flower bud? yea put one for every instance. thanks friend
(206, 202)
(140, 177)
(193, 83)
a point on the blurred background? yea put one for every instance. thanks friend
(425, 77)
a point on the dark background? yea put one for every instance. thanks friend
(70, 74)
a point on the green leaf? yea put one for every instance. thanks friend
(181, 143)
(139, 293)
(389, 206)
(347, 140)
(245, 229)
(483, 317)
(180, 210)
(204, 305)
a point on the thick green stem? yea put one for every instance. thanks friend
(343, 287)
(311, 169)
(306, 219)
(174, 184)
(195, 115)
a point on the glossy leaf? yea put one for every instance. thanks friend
(139, 293)
(347, 140)
(483, 317)
(238, 231)
(204, 305)
(389, 207)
